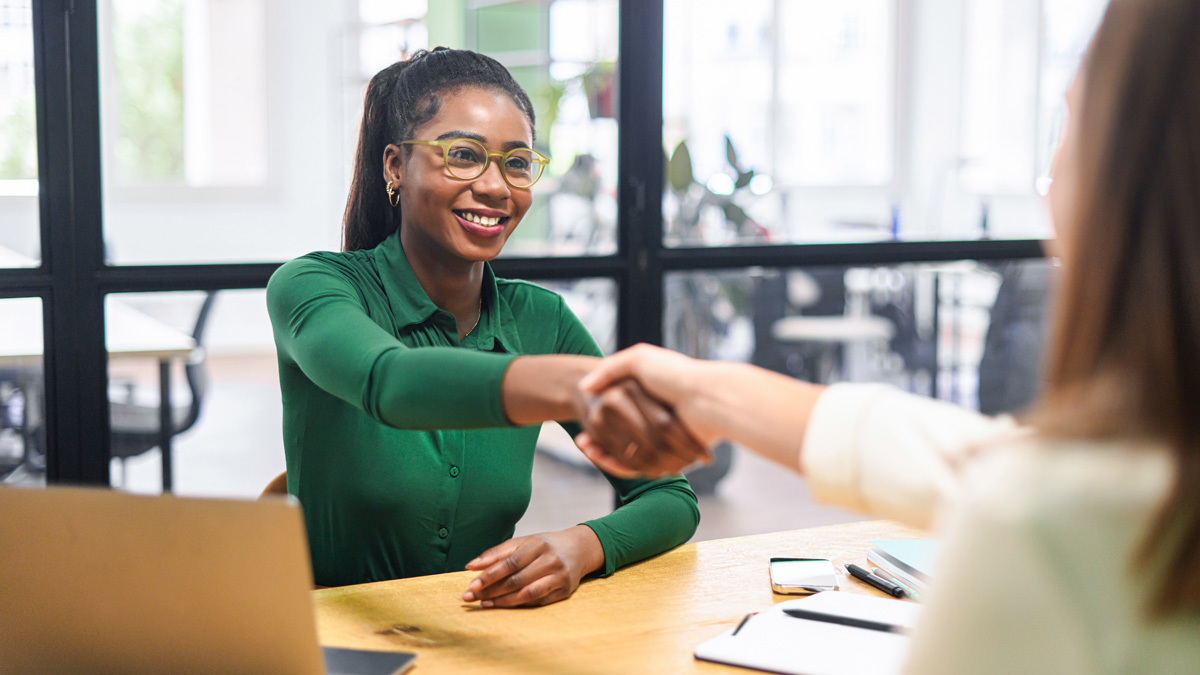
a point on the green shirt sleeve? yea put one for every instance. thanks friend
(322, 327)
(654, 515)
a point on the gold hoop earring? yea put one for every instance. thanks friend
(393, 196)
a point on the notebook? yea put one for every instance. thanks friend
(909, 561)
(97, 581)
(821, 643)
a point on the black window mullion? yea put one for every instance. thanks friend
(164, 278)
(849, 255)
(640, 172)
(68, 135)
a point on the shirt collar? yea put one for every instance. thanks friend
(410, 304)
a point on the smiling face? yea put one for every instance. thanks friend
(448, 219)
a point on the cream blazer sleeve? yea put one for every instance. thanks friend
(1018, 526)
(884, 452)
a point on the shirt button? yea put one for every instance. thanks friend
(443, 533)
(454, 472)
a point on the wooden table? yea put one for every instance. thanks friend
(646, 618)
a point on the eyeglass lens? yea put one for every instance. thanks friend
(467, 159)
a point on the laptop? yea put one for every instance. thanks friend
(97, 581)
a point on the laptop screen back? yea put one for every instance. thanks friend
(98, 581)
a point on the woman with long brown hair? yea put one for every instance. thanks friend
(1072, 538)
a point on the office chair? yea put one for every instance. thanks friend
(134, 420)
(276, 488)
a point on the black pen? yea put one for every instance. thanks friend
(743, 623)
(840, 620)
(878, 582)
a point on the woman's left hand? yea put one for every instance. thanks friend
(535, 570)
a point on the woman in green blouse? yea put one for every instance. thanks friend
(414, 380)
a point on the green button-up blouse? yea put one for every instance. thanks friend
(396, 441)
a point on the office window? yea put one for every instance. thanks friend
(214, 147)
(18, 138)
(22, 393)
(186, 93)
(1019, 58)
(594, 301)
(231, 443)
(966, 332)
(765, 100)
(999, 96)
(1068, 28)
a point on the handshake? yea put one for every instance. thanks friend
(647, 411)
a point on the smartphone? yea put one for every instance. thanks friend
(801, 576)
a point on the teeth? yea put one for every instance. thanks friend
(481, 220)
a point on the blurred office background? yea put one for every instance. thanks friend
(850, 191)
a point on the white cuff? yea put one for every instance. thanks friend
(830, 456)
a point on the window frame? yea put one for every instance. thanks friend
(73, 279)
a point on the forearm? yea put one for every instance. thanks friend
(757, 408)
(655, 518)
(434, 388)
(544, 388)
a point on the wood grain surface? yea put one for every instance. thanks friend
(645, 618)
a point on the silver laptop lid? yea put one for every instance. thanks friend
(98, 581)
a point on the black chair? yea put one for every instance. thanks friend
(134, 418)
(1010, 369)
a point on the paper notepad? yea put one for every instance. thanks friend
(776, 642)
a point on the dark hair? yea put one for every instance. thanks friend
(1124, 362)
(400, 98)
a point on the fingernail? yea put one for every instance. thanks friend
(468, 597)
(486, 603)
(475, 585)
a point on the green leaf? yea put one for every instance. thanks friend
(735, 214)
(731, 154)
(679, 171)
(743, 179)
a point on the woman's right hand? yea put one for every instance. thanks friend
(758, 409)
(637, 418)
(628, 432)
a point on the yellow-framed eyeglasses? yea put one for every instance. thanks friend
(467, 159)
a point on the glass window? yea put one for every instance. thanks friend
(863, 120)
(220, 139)
(20, 245)
(225, 401)
(1068, 28)
(999, 96)
(967, 332)
(1018, 60)
(806, 101)
(22, 393)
